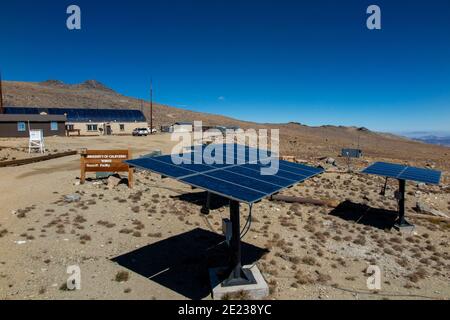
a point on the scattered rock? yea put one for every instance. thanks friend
(425, 208)
(72, 198)
(331, 161)
(113, 182)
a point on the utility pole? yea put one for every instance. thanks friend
(151, 106)
(1, 96)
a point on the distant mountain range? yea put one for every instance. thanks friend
(436, 137)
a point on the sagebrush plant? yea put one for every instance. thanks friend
(122, 276)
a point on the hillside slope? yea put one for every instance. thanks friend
(93, 94)
(296, 139)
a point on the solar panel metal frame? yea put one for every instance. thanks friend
(403, 172)
(206, 174)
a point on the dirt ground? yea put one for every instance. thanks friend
(152, 242)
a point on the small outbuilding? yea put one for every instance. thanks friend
(19, 125)
(182, 127)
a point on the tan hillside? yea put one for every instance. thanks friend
(296, 139)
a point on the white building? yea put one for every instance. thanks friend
(181, 127)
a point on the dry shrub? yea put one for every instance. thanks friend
(303, 279)
(418, 275)
(241, 295)
(122, 276)
(138, 225)
(106, 224)
(360, 240)
(323, 278)
(79, 219)
(311, 261)
(155, 235)
(272, 286)
(126, 231)
(136, 209)
(402, 262)
(85, 237)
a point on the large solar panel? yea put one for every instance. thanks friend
(403, 172)
(237, 177)
(84, 115)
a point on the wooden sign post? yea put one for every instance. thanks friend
(106, 161)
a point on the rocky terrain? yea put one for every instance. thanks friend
(296, 139)
(152, 242)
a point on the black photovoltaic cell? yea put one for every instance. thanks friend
(238, 181)
(402, 172)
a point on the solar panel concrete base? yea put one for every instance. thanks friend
(404, 227)
(257, 291)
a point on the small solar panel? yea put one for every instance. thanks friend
(403, 172)
(237, 177)
(352, 153)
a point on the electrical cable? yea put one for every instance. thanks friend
(248, 223)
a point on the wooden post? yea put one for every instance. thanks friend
(130, 172)
(83, 169)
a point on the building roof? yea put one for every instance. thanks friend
(31, 118)
(83, 115)
(183, 123)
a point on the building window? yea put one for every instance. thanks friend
(54, 126)
(21, 127)
(70, 127)
(122, 127)
(92, 127)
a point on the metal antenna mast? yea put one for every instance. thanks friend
(1, 95)
(151, 106)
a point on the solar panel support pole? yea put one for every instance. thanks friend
(401, 222)
(383, 191)
(238, 276)
(207, 207)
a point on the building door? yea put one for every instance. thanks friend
(108, 130)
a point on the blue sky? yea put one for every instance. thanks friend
(313, 62)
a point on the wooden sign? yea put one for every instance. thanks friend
(106, 161)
